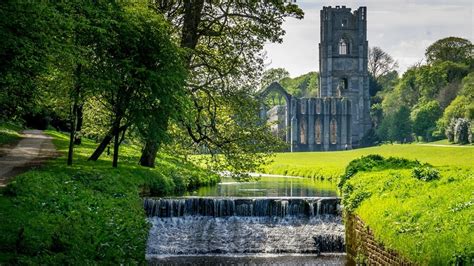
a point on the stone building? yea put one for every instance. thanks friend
(340, 117)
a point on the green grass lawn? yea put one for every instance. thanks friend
(428, 222)
(9, 132)
(330, 165)
(89, 213)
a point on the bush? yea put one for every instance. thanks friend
(425, 173)
(374, 162)
(450, 130)
(462, 130)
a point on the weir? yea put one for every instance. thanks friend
(223, 207)
(192, 226)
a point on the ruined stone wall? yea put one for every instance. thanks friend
(362, 247)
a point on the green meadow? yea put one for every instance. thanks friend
(330, 165)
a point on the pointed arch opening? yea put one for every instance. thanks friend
(343, 46)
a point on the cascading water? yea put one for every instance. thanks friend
(232, 226)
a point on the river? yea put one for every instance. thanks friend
(275, 220)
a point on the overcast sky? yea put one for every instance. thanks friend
(402, 28)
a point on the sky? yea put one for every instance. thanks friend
(402, 28)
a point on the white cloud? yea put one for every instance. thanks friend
(402, 28)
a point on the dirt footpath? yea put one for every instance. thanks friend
(32, 150)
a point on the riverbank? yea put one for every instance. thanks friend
(88, 213)
(425, 220)
(421, 212)
(330, 165)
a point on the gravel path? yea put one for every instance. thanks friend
(32, 150)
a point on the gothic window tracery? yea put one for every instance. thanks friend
(343, 47)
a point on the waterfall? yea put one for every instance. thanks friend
(224, 207)
(211, 225)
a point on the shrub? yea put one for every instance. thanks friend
(462, 130)
(450, 130)
(425, 173)
(374, 162)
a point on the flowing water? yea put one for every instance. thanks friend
(293, 223)
(275, 186)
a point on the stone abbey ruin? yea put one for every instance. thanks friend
(339, 118)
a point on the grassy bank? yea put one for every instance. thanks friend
(88, 213)
(330, 165)
(424, 213)
(9, 132)
(428, 222)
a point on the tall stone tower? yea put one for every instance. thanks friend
(343, 56)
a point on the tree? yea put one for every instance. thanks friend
(273, 74)
(144, 72)
(380, 63)
(452, 49)
(396, 126)
(29, 34)
(457, 109)
(305, 85)
(424, 117)
(224, 43)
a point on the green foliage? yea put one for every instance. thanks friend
(331, 165)
(273, 75)
(88, 213)
(420, 87)
(374, 162)
(9, 132)
(426, 222)
(24, 56)
(452, 49)
(457, 109)
(396, 126)
(424, 117)
(425, 173)
(302, 86)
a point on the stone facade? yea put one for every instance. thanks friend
(340, 117)
(362, 247)
(343, 53)
(310, 124)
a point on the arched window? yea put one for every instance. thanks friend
(343, 47)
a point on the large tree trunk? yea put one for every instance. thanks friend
(105, 142)
(102, 146)
(158, 123)
(191, 20)
(149, 154)
(78, 134)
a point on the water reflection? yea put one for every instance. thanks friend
(270, 187)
